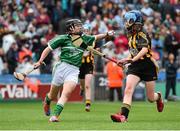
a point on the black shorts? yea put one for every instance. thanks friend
(86, 68)
(145, 69)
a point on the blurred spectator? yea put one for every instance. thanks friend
(30, 15)
(12, 58)
(118, 18)
(77, 9)
(157, 44)
(13, 26)
(27, 9)
(7, 41)
(93, 12)
(115, 80)
(22, 23)
(168, 21)
(91, 3)
(99, 24)
(99, 64)
(171, 42)
(57, 15)
(176, 9)
(50, 34)
(109, 49)
(177, 23)
(149, 27)
(35, 44)
(171, 75)
(42, 21)
(25, 51)
(157, 24)
(43, 18)
(83, 11)
(48, 68)
(31, 31)
(167, 8)
(3, 23)
(121, 42)
(3, 63)
(147, 10)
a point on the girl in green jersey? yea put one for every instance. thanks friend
(65, 73)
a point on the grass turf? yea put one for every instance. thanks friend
(143, 116)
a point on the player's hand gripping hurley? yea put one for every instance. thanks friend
(22, 76)
(123, 62)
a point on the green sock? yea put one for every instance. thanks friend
(58, 109)
(48, 101)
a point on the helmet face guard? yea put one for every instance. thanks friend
(71, 26)
(133, 21)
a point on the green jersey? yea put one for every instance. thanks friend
(69, 52)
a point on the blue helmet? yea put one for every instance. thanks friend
(133, 17)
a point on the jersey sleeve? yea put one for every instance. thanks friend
(88, 39)
(143, 40)
(55, 42)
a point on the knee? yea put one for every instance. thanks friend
(67, 95)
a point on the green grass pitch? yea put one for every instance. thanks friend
(143, 116)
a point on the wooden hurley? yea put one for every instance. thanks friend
(22, 76)
(78, 42)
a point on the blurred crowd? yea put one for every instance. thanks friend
(26, 26)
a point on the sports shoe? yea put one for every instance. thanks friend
(87, 108)
(46, 108)
(118, 118)
(53, 119)
(160, 103)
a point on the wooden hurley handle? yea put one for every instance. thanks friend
(32, 69)
(101, 54)
(77, 41)
(29, 71)
(95, 51)
(111, 59)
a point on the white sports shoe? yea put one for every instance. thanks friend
(53, 119)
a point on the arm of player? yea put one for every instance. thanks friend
(143, 51)
(102, 36)
(43, 56)
(125, 61)
(129, 57)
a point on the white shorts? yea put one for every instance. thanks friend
(63, 72)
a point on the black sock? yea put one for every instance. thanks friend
(88, 102)
(125, 110)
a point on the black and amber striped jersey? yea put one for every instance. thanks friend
(88, 57)
(137, 42)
